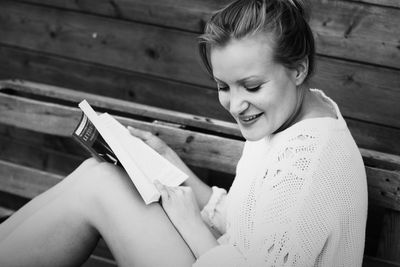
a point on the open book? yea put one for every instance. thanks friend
(107, 139)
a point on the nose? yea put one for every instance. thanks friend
(237, 102)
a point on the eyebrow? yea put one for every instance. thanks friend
(240, 81)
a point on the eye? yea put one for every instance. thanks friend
(253, 89)
(222, 87)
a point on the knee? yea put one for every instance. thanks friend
(89, 163)
(102, 182)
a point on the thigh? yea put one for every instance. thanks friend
(43, 199)
(137, 234)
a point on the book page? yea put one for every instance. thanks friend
(145, 187)
(153, 165)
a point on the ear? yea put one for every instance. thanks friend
(301, 71)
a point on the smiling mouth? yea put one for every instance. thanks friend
(250, 119)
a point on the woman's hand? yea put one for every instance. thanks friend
(153, 141)
(182, 209)
(201, 190)
(160, 146)
(180, 205)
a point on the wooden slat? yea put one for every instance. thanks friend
(131, 46)
(376, 262)
(12, 202)
(40, 155)
(176, 117)
(381, 160)
(348, 83)
(342, 28)
(367, 135)
(197, 149)
(362, 92)
(375, 136)
(4, 213)
(161, 52)
(373, 229)
(113, 82)
(131, 108)
(65, 145)
(359, 32)
(96, 261)
(24, 181)
(384, 187)
(389, 245)
(189, 15)
(103, 251)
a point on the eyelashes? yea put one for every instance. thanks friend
(222, 88)
(253, 89)
(225, 88)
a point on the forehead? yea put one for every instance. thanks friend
(247, 56)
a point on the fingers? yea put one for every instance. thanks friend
(144, 135)
(170, 193)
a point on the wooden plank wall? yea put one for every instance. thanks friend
(145, 51)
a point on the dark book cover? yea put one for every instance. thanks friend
(87, 135)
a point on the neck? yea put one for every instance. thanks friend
(294, 117)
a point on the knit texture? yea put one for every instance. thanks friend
(299, 198)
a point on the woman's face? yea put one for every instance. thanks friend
(259, 93)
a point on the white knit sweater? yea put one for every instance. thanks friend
(299, 199)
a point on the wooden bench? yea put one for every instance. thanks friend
(211, 146)
(145, 52)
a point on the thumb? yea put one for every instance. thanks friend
(144, 135)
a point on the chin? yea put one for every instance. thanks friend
(253, 136)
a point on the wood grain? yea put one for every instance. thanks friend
(197, 149)
(4, 212)
(131, 46)
(96, 261)
(40, 154)
(384, 187)
(363, 92)
(347, 29)
(381, 160)
(375, 136)
(133, 109)
(364, 33)
(389, 245)
(112, 82)
(188, 15)
(377, 262)
(24, 181)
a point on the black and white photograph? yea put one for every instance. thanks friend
(203, 133)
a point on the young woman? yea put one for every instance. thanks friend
(299, 197)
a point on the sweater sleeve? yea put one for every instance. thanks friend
(214, 213)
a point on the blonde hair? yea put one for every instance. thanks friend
(287, 20)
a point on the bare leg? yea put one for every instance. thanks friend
(102, 200)
(40, 201)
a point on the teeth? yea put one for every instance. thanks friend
(250, 118)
